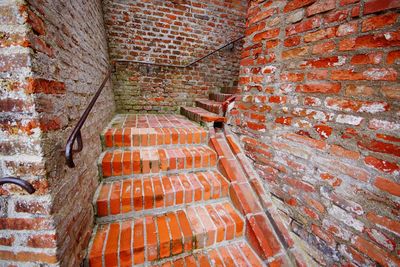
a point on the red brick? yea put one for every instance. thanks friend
(385, 222)
(261, 16)
(393, 57)
(388, 186)
(42, 241)
(341, 152)
(325, 88)
(323, 48)
(388, 137)
(36, 23)
(296, 4)
(378, 22)
(151, 238)
(36, 86)
(374, 252)
(346, 29)
(356, 106)
(382, 165)
(323, 130)
(96, 252)
(110, 253)
(138, 245)
(125, 257)
(292, 41)
(387, 39)
(320, 6)
(266, 240)
(372, 6)
(348, 2)
(381, 147)
(294, 53)
(306, 140)
(320, 35)
(372, 58)
(303, 26)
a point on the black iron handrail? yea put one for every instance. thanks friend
(17, 181)
(182, 66)
(76, 133)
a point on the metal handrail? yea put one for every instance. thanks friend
(182, 66)
(17, 181)
(76, 133)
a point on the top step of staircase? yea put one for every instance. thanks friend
(219, 97)
(229, 90)
(201, 115)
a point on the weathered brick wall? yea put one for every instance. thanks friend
(172, 32)
(67, 54)
(319, 116)
(27, 231)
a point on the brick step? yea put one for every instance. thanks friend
(156, 160)
(237, 253)
(145, 137)
(152, 238)
(201, 115)
(210, 105)
(219, 97)
(158, 192)
(230, 90)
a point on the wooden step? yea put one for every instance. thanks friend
(209, 105)
(201, 115)
(156, 160)
(152, 238)
(157, 192)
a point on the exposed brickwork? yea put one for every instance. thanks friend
(27, 231)
(318, 115)
(182, 209)
(172, 32)
(177, 232)
(160, 192)
(55, 57)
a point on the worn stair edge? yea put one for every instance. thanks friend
(155, 160)
(238, 252)
(201, 115)
(210, 105)
(249, 196)
(126, 197)
(153, 238)
(146, 137)
(219, 97)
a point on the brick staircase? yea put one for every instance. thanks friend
(165, 198)
(208, 111)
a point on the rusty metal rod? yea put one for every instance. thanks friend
(17, 181)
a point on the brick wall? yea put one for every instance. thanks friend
(172, 32)
(56, 55)
(27, 231)
(319, 117)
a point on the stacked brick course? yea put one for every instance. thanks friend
(27, 230)
(172, 32)
(53, 58)
(318, 115)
